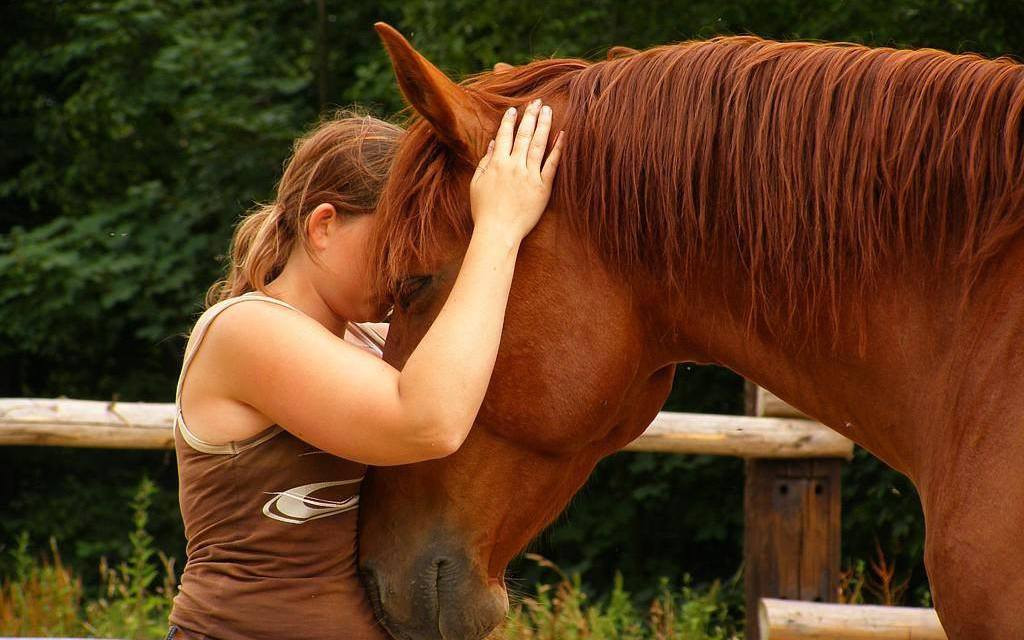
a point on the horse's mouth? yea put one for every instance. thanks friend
(437, 604)
(372, 589)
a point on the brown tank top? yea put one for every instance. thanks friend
(271, 529)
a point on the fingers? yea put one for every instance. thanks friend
(481, 167)
(551, 164)
(503, 139)
(525, 133)
(528, 143)
(539, 143)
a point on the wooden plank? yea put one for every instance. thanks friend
(792, 515)
(822, 534)
(145, 425)
(794, 620)
(741, 436)
(792, 512)
(768, 404)
(771, 532)
(86, 423)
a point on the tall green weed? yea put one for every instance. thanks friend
(45, 598)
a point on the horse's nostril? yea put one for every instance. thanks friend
(447, 575)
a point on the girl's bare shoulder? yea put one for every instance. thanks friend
(257, 326)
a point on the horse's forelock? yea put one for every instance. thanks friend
(422, 204)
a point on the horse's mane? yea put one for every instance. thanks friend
(816, 163)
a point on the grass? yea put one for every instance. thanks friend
(562, 611)
(40, 599)
(877, 582)
(44, 598)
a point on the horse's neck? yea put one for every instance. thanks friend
(906, 369)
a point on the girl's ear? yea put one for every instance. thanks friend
(318, 225)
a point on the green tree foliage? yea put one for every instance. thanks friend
(136, 132)
(151, 127)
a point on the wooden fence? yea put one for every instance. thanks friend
(145, 425)
(795, 620)
(791, 495)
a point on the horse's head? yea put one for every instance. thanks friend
(574, 380)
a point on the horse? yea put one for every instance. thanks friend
(838, 223)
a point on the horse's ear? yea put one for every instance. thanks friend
(456, 116)
(619, 51)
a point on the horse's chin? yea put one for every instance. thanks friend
(474, 621)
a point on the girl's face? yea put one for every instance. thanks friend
(340, 242)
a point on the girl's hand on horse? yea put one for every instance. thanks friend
(512, 183)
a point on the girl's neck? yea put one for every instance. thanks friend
(301, 294)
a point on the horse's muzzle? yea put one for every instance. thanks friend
(440, 598)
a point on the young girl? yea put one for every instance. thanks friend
(280, 410)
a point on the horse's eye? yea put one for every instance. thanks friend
(409, 288)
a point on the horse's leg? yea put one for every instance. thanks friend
(974, 548)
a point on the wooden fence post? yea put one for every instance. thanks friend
(791, 529)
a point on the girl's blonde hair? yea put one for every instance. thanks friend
(343, 161)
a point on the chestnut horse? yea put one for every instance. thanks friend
(840, 224)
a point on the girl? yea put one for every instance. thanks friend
(280, 411)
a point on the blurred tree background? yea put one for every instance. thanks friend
(136, 133)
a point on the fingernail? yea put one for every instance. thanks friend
(546, 110)
(536, 101)
(511, 111)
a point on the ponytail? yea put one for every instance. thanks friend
(257, 255)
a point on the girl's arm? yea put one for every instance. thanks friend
(347, 402)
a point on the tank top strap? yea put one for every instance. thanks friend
(199, 330)
(194, 340)
(365, 333)
(368, 336)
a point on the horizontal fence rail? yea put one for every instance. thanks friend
(147, 425)
(741, 436)
(796, 620)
